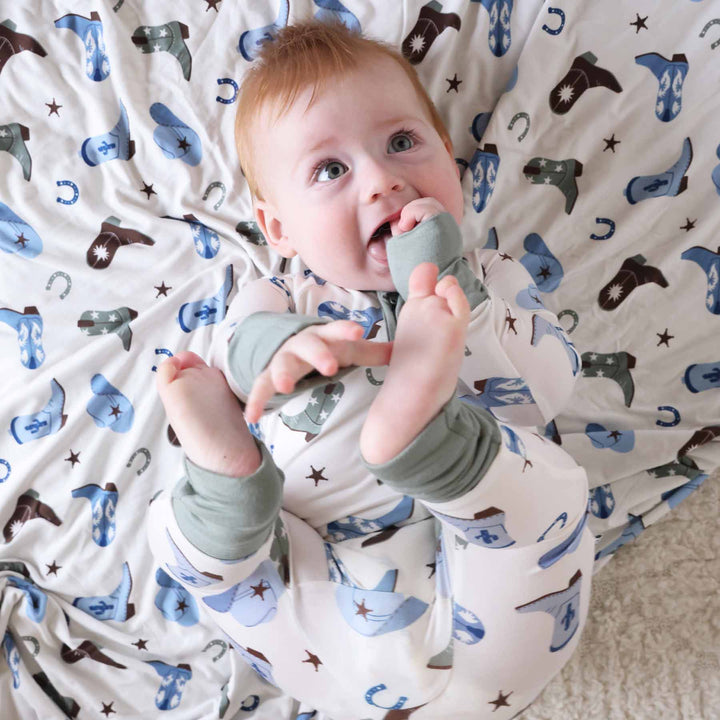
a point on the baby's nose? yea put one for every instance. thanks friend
(381, 181)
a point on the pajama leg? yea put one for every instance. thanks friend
(329, 624)
(515, 557)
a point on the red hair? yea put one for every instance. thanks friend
(308, 54)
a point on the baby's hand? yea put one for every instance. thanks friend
(325, 348)
(416, 212)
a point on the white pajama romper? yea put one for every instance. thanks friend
(453, 581)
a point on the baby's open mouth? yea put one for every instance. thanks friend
(376, 245)
(381, 232)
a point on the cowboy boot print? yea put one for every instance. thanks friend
(87, 649)
(499, 37)
(90, 31)
(13, 42)
(207, 311)
(670, 183)
(112, 145)
(103, 502)
(252, 40)
(29, 326)
(582, 75)
(560, 173)
(12, 139)
(205, 239)
(564, 606)
(699, 438)
(103, 322)
(174, 680)
(633, 273)
(710, 262)
(68, 705)
(166, 38)
(323, 401)
(49, 420)
(671, 77)
(114, 606)
(430, 23)
(614, 366)
(702, 376)
(335, 11)
(484, 168)
(28, 507)
(103, 248)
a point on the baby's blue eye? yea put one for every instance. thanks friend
(400, 143)
(330, 171)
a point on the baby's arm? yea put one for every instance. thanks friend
(268, 351)
(520, 364)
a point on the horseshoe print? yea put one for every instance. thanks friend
(212, 186)
(373, 691)
(708, 25)
(4, 463)
(65, 277)
(34, 642)
(371, 378)
(520, 116)
(147, 455)
(254, 702)
(573, 315)
(609, 233)
(562, 517)
(668, 423)
(228, 81)
(561, 15)
(223, 650)
(76, 192)
(161, 351)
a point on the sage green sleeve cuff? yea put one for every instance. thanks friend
(437, 240)
(258, 338)
(448, 458)
(227, 517)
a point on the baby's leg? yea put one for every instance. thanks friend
(427, 354)
(206, 416)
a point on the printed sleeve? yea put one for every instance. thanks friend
(227, 517)
(259, 320)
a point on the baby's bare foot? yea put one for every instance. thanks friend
(206, 416)
(427, 354)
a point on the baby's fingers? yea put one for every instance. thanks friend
(262, 390)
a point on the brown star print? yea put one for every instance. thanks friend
(147, 189)
(501, 701)
(362, 610)
(314, 660)
(53, 108)
(316, 475)
(260, 589)
(162, 289)
(74, 458)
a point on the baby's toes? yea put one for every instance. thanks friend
(449, 289)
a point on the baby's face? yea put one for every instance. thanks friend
(333, 174)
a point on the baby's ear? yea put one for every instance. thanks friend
(272, 228)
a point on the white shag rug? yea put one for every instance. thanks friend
(651, 646)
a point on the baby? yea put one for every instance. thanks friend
(391, 537)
